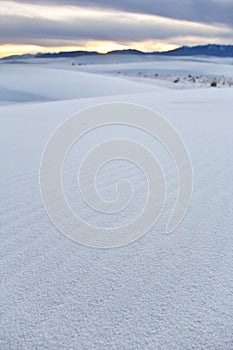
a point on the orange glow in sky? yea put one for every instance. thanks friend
(102, 47)
(54, 28)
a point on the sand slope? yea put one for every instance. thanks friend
(161, 292)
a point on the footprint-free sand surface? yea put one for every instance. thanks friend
(162, 291)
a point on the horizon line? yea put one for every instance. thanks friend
(111, 51)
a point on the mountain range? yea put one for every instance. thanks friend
(201, 50)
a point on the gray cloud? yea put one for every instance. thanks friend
(124, 29)
(42, 31)
(204, 11)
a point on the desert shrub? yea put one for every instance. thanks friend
(191, 78)
(214, 83)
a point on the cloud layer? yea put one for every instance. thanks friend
(72, 22)
(207, 11)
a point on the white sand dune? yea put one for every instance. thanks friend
(167, 65)
(29, 83)
(160, 292)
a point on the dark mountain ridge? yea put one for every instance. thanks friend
(213, 50)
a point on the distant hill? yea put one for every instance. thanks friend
(205, 50)
(126, 52)
(201, 50)
(67, 54)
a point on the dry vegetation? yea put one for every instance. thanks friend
(184, 80)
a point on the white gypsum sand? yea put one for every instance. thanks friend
(160, 292)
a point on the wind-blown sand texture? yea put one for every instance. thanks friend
(160, 292)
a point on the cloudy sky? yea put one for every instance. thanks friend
(104, 25)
